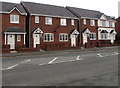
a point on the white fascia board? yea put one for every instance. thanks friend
(18, 11)
(13, 10)
(90, 18)
(53, 16)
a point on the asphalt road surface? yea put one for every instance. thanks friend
(97, 68)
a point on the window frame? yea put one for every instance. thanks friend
(49, 38)
(18, 38)
(48, 21)
(84, 21)
(93, 36)
(72, 22)
(14, 18)
(63, 22)
(37, 19)
(104, 36)
(63, 37)
(92, 22)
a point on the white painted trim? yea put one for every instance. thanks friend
(38, 29)
(90, 18)
(63, 20)
(13, 10)
(18, 36)
(5, 38)
(75, 32)
(14, 33)
(64, 40)
(24, 38)
(53, 16)
(95, 36)
(49, 33)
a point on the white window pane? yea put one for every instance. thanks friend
(14, 18)
(48, 20)
(63, 22)
(36, 19)
(72, 22)
(18, 37)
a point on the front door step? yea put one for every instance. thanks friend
(13, 51)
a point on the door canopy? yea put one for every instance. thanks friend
(37, 31)
(86, 31)
(113, 32)
(74, 32)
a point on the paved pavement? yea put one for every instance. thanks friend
(93, 67)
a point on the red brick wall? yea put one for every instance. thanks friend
(55, 28)
(92, 29)
(6, 23)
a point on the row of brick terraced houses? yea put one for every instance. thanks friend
(28, 27)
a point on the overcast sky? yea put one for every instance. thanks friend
(109, 7)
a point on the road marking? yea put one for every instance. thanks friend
(99, 55)
(116, 53)
(53, 60)
(78, 58)
(58, 62)
(107, 55)
(25, 61)
(11, 67)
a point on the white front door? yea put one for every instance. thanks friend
(73, 40)
(36, 39)
(84, 38)
(11, 41)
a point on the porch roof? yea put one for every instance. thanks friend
(14, 30)
(104, 31)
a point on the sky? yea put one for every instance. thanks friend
(109, 7)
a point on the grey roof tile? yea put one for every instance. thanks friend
(14, 29)
(7, 7)
(85, 13)
(45, 9)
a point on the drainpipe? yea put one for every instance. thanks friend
(80, 31)
(28, 35)
(79, 24)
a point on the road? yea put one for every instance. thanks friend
(96, 68)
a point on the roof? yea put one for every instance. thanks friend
(86, 30)
(7, 7)
(37, 30)
(85, 13)
(110, 18)
(74, 32)
(49, 10)
(14, 29)
(113, 32)
(104, 31)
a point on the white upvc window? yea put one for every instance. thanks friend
(37, 19)
(63, 37)
(92, 36)
(48, 20)
(63, 22)
(111, 24)
(104, 35)
(48, 37)
(104, 23)
(84, 21)
(14, 18)
(92, 22)
(72, 22)
(18, 37)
